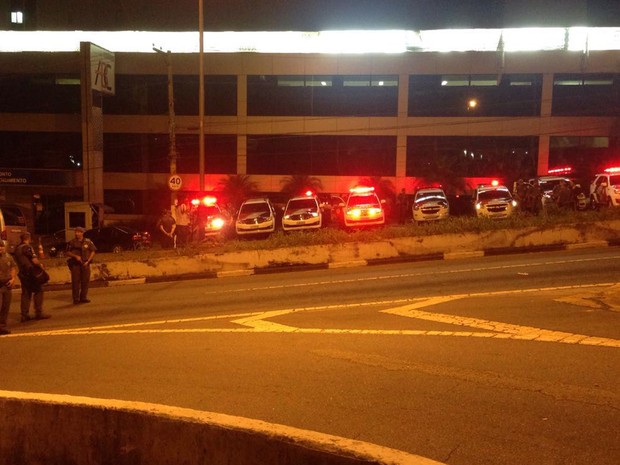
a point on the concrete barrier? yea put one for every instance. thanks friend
(65, 430)
(447, 246)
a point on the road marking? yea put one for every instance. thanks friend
(499, 329)
(259, 322)
(425, 273)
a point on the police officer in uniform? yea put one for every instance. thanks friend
(8, 273)
(80, 251)
(31, 290)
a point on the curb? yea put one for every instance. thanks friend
(287, 268)
(58, 428)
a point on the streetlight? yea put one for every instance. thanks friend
(201, 98)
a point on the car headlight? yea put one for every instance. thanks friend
(478, 206)
(514, 203)
(355, 213)
(287, 217)
(217, 223)
(374, 211)
(314, 214)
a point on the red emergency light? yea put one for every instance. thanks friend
(206, 201)
(615, 169)
(564, 170)
(361, 190)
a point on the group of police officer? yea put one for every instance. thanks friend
(25, 265)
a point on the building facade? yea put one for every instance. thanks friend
(449, 113)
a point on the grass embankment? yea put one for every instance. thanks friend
(335, 235)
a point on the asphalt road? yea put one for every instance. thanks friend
(495, 360)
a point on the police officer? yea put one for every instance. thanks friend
(81, 252)
(8, 273)
(167, 226)
(31, 290)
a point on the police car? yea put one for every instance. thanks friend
(430, 204)
(302, 212)
(363, 208)
(217, 221)
(493, 201)
(256, 216)
(605, 189)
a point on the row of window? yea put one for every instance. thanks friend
(429, 95)
(427, 157)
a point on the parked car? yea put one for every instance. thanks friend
(256, 216)
(56, 244)
(215, 221)
(118, 238)
(493, 201)
(12, 226)
(363, 208)
(430, 204)
(547, 184)
(302, 212)
(605, 189)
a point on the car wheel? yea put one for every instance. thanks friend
(117, 248)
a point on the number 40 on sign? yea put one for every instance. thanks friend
(175, 182)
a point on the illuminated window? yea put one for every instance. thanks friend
(17, 17)
(291, 81)
(370, 81)
(318, 81)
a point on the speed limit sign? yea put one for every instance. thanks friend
(175, 182)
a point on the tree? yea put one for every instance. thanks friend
(236, 188)
(384, 188)
(300, 183)
(441, 170)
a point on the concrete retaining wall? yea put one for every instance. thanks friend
(346, 253)
(38, 429)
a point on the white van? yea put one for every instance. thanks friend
(12, 225)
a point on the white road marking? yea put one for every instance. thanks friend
(407, 275)
(258, 322)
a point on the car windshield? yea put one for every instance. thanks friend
(124, 230)
(210, 210)
(614, 180)
(549, 185)
(261, 208)
(301, 204)
(433, 196)
(13, 216)
(494, 194)
(357, 200)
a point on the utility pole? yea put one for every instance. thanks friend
(201, 97)
(172, 134)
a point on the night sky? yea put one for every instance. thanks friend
(317, 15)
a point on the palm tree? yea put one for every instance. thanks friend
(441, 171)
(384, 188)
(236, 188)
(299, 183)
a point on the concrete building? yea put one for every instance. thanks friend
(410, 106)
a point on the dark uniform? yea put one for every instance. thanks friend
(7, 274)
(24, 254)
(167, 227)
(80, 272)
